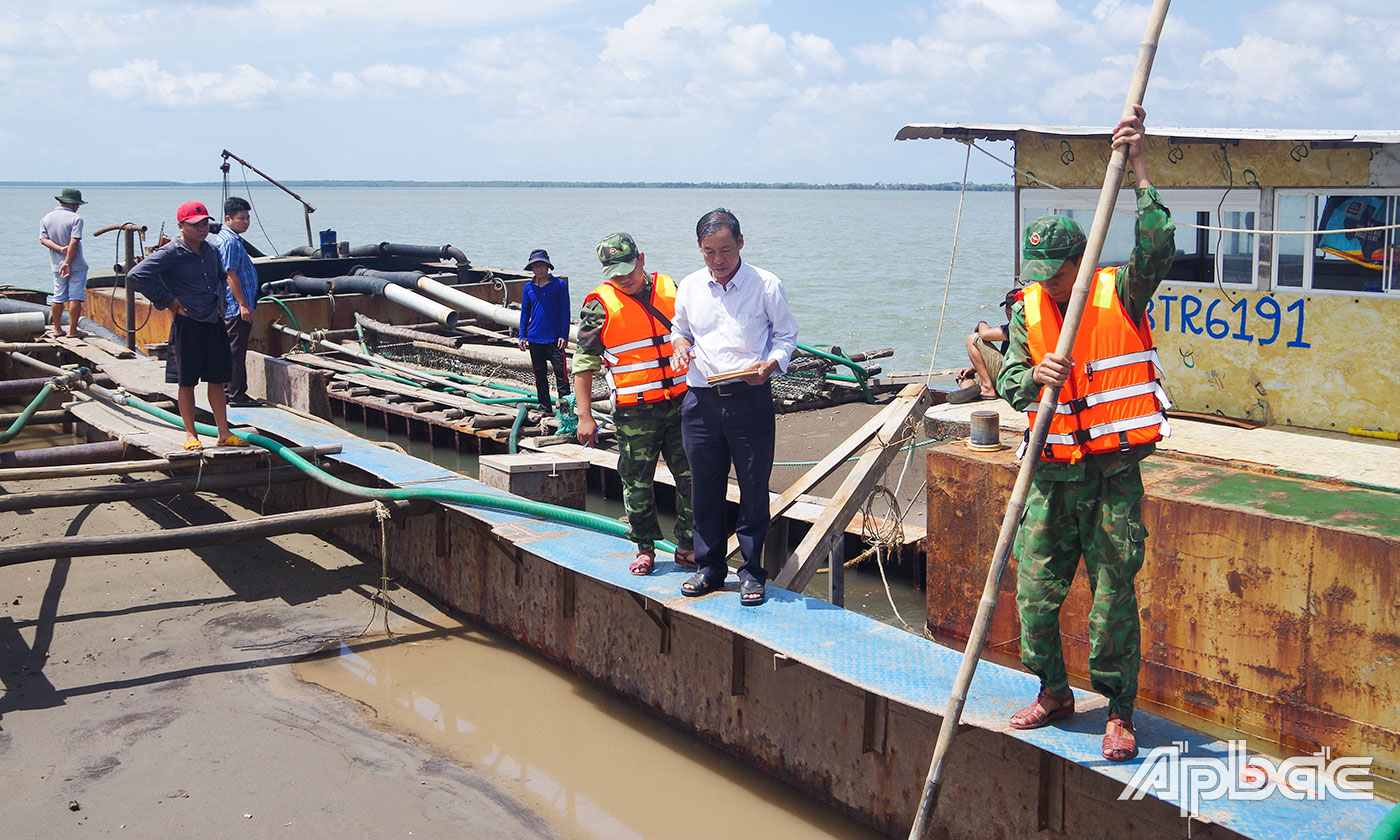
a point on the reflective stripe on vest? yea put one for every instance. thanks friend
(1115, 400)
(637, 346)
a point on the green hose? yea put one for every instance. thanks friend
(295, 323)
(23, 418)
(1389, 828)
(491, 501)
(360, 331)
(515, 429)
(861, 374)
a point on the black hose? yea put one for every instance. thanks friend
(407, 279)
(299, 284)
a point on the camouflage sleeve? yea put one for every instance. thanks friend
(1153, 252)
(589, 355)
(1014, 383)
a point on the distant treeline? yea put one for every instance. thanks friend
(662, 185)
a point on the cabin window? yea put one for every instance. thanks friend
(1203, 252)
(1341, 254)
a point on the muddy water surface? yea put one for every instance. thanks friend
(589, 763)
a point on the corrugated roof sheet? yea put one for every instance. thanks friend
(984, 131)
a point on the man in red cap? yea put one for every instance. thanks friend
(187, 277)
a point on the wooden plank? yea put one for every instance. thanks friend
(802, 565)
(828, 465)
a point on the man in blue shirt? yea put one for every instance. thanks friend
(238, 309)
(544, 326)
(186, 276)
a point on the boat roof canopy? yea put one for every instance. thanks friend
(985, 131)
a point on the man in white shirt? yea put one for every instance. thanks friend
(733, 332)
(61, 231)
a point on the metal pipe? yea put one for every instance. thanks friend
(38, 418)
(78, 453)
(125, 492)
(444, 315)
(493, 312)
(199, 536)
(145, 465)
(307, 209)
(21, 324)
(20, 387)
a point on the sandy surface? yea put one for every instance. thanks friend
(152, 696)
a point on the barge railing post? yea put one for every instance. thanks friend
(1108, 195)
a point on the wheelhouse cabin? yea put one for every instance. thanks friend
(1280, 305)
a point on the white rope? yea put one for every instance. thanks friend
(1259, 231)
(952, 258)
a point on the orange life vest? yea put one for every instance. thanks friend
(637, 346)
(1113, 399)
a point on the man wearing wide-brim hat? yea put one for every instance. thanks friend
(61, 231)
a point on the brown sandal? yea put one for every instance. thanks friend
(1040, 712)
(1119, 742)
(645, 562)
(685, 558)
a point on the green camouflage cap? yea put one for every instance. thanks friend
(1049, 241)
(618, 254)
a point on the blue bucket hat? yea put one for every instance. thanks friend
(539, 255)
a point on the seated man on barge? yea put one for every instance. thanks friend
(625, 330)
(1086, 498)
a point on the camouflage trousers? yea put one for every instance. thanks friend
(644, 434)
(1100, 518)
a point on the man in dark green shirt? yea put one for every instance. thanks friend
(1092, 506)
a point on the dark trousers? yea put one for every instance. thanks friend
(239, 331)
(542, 355)
(729, 424)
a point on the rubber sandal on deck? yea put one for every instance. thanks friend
(685, 558)
(193, 446)
(700, 584)
(233, 440)
(966, 394)
(752, 593)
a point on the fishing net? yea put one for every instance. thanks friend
(805, 380)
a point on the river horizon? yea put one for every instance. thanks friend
(863, 268)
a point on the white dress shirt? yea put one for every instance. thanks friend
(733, 327)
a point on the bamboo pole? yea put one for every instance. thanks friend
(314, 521)
(1112, 181)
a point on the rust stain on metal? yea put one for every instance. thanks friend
(1246, 621)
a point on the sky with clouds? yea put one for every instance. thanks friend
(671, 90)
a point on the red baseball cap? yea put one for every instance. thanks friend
(192, 212)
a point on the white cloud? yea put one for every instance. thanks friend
(143, 80)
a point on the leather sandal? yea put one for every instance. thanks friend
(645, 562)
(700, 584)
(752, 593)
(685, 558)
(1039, 713)
(1119, 742)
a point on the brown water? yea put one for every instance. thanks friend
(589, 763)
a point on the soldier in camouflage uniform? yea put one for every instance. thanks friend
(1093, 506)
(645, 431)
